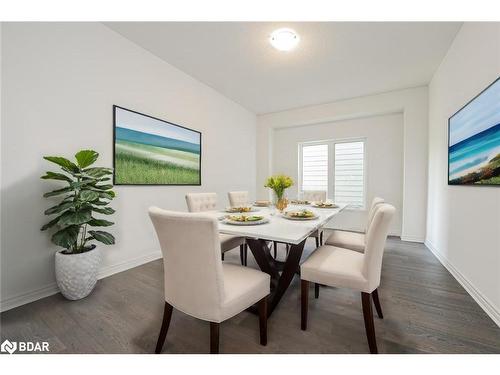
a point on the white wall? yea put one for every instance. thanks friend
(1, 60)
(383, 136)
(463, 223)
(412, 103)
(59, 82)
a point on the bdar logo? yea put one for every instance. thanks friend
(8, 346)
(24, 346)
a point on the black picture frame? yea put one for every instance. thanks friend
(115, 107)
(449, 124)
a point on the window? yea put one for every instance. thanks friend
(337, 167)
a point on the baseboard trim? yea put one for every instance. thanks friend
(481, 300)
(48, 290)
(24, 298)
(128, 264)
(412, 239)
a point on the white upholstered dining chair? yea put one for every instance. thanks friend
(196, 281)
(315, 196)
(199, 202)
(353, 240)
(339, 267)
(238, 198)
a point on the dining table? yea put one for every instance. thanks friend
(278, 228)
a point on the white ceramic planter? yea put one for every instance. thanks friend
(76, 274)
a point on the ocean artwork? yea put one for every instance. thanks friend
(150, 151)
(474, 140)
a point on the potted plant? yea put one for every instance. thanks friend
(86, 192)
(279, 183)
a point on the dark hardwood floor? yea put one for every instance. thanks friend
(425, 311)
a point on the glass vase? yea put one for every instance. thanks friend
(281, 203)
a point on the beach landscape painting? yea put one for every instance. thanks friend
(150, 151)
(474, 140)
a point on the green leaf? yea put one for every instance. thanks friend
(59, 208)
(101, 236)
(88, 196)
(75, 217)
(56, 176)
(86, 158)
(103, 187)
(104, 210)
(50, 224)
(99, 223)
(107, 194)
(82, 184)
(92, 179)
(57, 192)
(63, 162)
(66, 237)
(98, 172)
(100, 203)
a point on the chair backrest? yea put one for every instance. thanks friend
(314, 195)
(375, 202)
(375, 243)
(192, 263)
(238, 198)
(199, 202)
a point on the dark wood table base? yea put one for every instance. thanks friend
(267, 264)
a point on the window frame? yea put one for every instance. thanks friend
(330, 192)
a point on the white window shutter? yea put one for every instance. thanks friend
(315, 167)
(349, 174)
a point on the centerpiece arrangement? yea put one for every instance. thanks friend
(279, 183)
(86, 193)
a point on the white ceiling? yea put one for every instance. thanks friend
(333, 61)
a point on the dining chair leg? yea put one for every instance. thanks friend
(376, 302)
(317, 241)
(369, 326)
(214, 338)
(242, 255)
(304, 299)
(275, 245)
(316, 290)
(246, 253)
(167, 314)
(263, 321)
(321, 238)
(222, 256)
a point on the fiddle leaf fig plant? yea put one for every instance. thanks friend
(86, 192)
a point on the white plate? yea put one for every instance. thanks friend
(252, 209)
(332, 206)
(300, 218)
(258, 222)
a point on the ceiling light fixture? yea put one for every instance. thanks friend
(284, 39)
